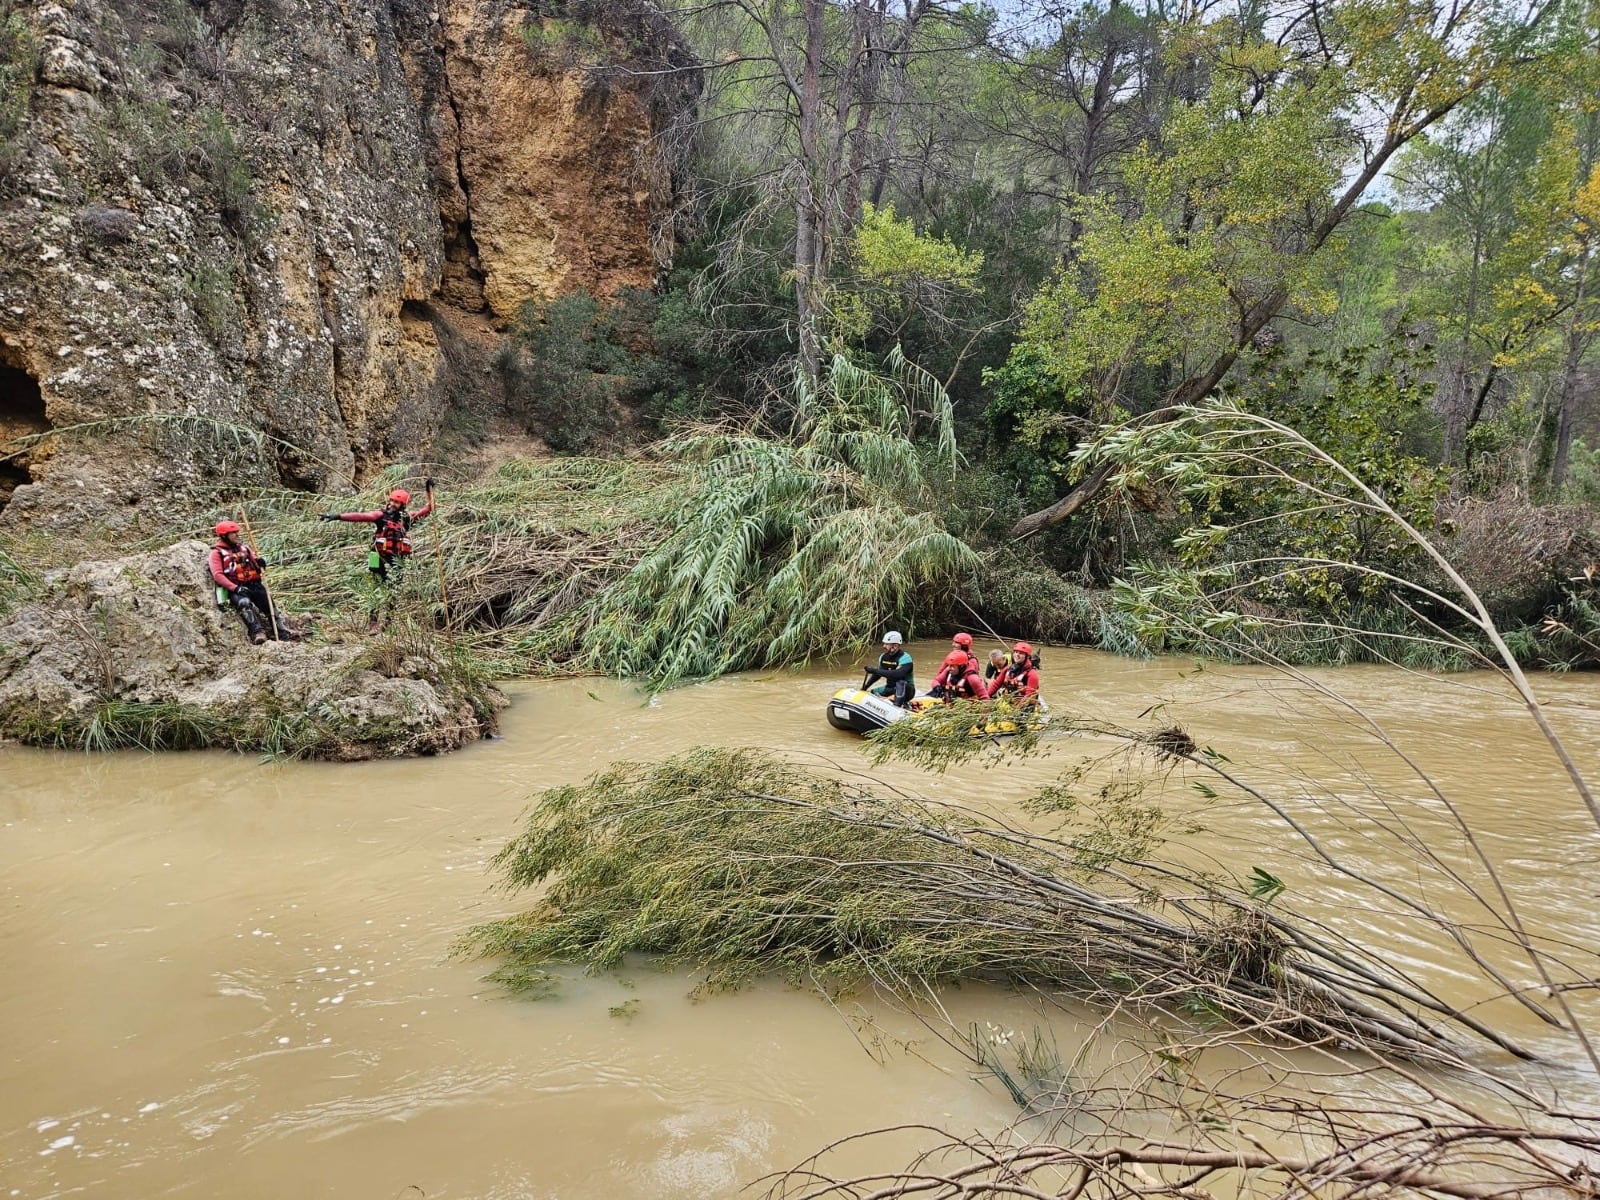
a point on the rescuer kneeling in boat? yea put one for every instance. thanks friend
(236, 569)
(893, 671)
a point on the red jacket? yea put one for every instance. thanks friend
(391, 528)
(374, 516)
(228, 563)
(966, 684)
(1025, 683)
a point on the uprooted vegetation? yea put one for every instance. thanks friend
(716, 551)
(741, 865)
(722, 553)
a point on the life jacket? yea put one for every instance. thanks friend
(239, 564)
(1013, 678)
(952, 681)
(900, 691)
(891, 660)
(392, 532)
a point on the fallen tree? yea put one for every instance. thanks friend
(739, 864)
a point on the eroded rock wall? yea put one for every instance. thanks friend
(551, 176)
(229, 234)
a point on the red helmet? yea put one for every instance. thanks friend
(400, 496)
(956, 658)
(1022, 648)
(227, 527)
(964, 640)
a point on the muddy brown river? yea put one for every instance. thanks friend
(231, 978)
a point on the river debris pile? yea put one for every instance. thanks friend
(1336, 1154)
(739, 864)
(134, 652)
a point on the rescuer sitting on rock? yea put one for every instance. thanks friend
(391, 535)
(236, 570)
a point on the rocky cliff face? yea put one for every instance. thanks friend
(235, 236)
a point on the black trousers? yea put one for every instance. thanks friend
(250, 599)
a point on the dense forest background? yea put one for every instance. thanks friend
(1372, 221)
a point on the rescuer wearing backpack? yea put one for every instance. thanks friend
(236, 570)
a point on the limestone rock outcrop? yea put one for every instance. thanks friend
(234, 235)
(135, 648)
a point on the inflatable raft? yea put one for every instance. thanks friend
(858, 711)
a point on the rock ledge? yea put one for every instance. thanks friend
(134, 651)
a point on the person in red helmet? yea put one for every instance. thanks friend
(963, 642)
(958, 678)
(391, 543)
(236, 569)
(1020, 677)
(391, 535)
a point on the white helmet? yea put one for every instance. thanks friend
(892, 638)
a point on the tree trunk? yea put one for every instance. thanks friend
(810, 230)
(1576, 340)
(1095, 116)
(869, 20)
(1463, 371)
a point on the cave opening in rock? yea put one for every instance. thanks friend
(21, 416)
(462, 281)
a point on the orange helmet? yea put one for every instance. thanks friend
(227, 527)
(400, 496)
(1022, 648)
(964, 640)
(956, 658)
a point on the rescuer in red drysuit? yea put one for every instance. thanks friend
(963, 643)
(1020, 677)
(958, 678)
(236, 570)
(391, 531)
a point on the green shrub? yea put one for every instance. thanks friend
(217, 158)
(211, 294)
(568, 364)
